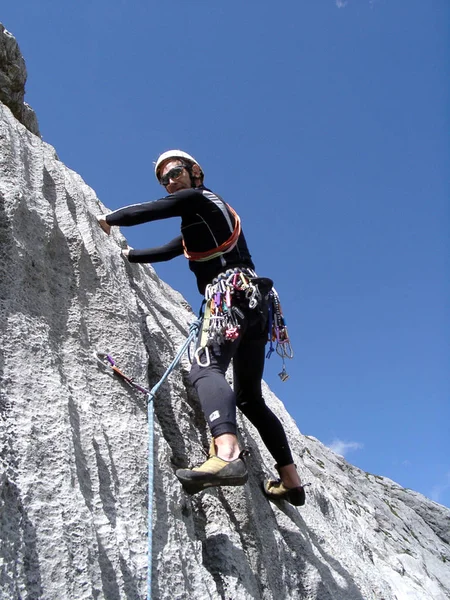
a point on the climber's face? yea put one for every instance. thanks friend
(174, 176)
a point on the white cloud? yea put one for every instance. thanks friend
(342, 448)
(343, 3)
(439, 490)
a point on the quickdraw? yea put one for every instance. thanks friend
(109, 364)
(202, 349)
(278, 333)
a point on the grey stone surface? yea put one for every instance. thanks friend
(13, 76)
(73, 440)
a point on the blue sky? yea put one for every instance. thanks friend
(326, 126)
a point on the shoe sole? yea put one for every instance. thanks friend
(192, 485)
(296, 496)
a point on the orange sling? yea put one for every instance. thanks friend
(228, 245)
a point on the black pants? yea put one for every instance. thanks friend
(218, 399)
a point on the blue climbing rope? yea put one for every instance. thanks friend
(106, 360)
(150, 413)
(193, 332)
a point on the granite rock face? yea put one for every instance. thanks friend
(73, 439)
(13, 76)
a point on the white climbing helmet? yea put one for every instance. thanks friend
(174, 154)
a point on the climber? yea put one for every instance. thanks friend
(212, 240)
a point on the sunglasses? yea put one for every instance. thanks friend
(172, 174)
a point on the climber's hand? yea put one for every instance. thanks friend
(103, 224)
(125, 251)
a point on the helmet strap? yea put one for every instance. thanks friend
(191, 175)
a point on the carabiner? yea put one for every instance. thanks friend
(198, 357)
(284, 349)
(253, 295)
(105, 360)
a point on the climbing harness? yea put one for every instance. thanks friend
(108, 363)
(221, 316)
(278, 333)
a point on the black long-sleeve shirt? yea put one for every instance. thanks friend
(206, 223)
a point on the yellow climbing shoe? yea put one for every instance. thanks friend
(276, 490)
(213, 472)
